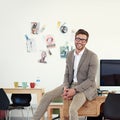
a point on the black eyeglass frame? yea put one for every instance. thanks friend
(80, 39)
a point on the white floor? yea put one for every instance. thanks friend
(19, 118)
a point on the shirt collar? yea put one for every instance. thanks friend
(81, 52)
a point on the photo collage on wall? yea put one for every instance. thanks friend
(40, 40)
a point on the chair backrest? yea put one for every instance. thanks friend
(111, 107)
(4, 100)
(21, 99)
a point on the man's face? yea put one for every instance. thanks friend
(80, 41)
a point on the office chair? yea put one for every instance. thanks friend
(4, 104)
(111, 108)
(20, 102)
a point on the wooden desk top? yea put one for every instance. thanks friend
(90, 108)
(22, 90)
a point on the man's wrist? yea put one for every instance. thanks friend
(75, 90)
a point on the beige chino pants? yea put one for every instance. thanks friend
(78, 100)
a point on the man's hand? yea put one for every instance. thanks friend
(64, 95)
(68, 93)
(71, 92)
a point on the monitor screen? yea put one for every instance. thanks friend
(110, 72)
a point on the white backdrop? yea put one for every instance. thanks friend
(100, 18)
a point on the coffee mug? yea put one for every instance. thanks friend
(32, 84)
(24, 85)
(16, 84)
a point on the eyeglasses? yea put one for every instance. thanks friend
(80, 39)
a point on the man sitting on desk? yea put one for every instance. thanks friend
(79, 78)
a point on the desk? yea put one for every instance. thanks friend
(90, 108)
(37, 91)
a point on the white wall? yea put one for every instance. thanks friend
(100, 18)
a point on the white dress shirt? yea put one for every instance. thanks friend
(76, 63)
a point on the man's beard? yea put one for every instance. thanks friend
(79, 47)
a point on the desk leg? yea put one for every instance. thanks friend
(39, 96)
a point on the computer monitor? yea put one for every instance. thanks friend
(110, 74)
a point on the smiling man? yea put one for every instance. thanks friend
(79, 78)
